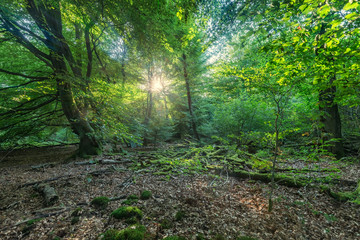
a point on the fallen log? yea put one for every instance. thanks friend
(101, 161)
(42, 166)
(266, 177)
(49, 193)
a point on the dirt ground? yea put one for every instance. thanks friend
(213, 205)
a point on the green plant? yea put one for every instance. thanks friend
(145, 195)
(100, 202)
(179, 215)
(127, 212)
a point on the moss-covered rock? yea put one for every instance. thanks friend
(100, 202)
(127, 212)
(145, 195)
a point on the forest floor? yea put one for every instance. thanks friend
(216, 207)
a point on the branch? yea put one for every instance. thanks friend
(14, 31)
(18, 109)
(41, 116)
(22, 75)
(24, 84)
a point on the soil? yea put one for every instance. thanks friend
(213, 205)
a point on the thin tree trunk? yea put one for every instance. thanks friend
(149, 105)
(188, 93)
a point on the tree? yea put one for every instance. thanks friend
(40, 31)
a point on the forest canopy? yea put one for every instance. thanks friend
(257, 74)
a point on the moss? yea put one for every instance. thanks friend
(179, 215)
(200, 237)
(100, 202)
(136, 232)
(132, 220)
(76, 212)
(111, 234)
(166, 224)
(145, 195)
(160, 173)
(174, 238)
(31, 222)
(219, 237)
(75, 220)
(131, 199)
(127, 212)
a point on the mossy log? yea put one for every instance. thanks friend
(344, 196)
(49, 193)
(266, 177)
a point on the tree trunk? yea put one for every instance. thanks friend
(188, 93)
(149, 105)
(330, 119)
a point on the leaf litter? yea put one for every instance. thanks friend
(212, 205)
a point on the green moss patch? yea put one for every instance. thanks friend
(127, 212)
(131, 199)
(145, 195)
(135, 232)
(100, 202)
(179, 215)
(111, 234)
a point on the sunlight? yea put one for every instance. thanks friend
(158, 85)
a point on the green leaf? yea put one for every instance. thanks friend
(352, 16)
(324, 10)
(350, 5)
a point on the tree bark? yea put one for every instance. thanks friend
(330, 119)
(189, 100)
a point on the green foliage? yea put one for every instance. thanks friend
(100, 202)
(180, 215)
(127, 212)
(145, 195)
